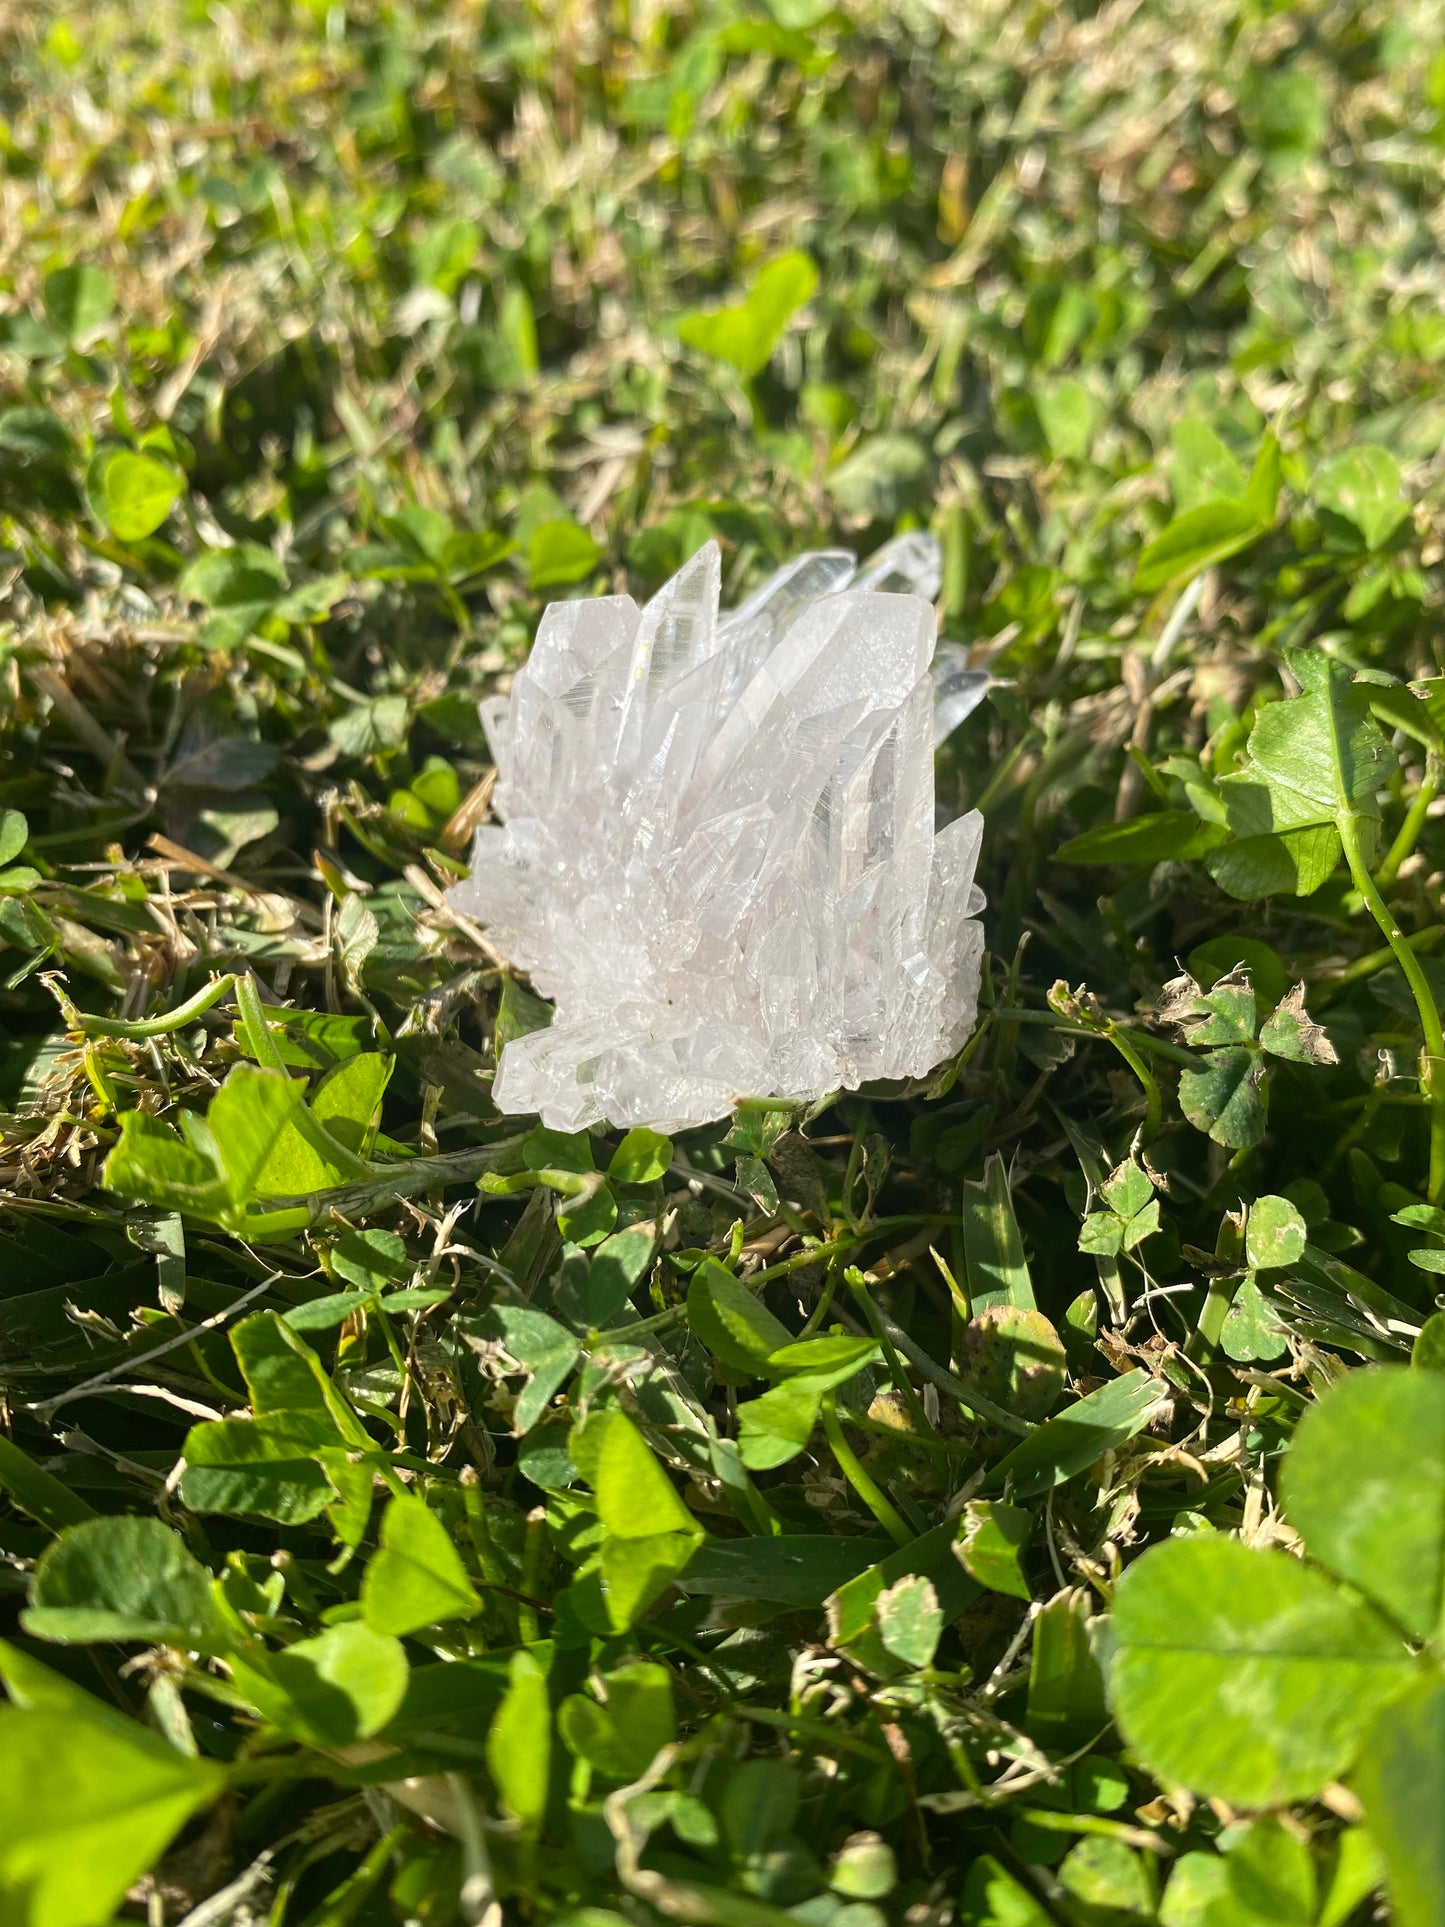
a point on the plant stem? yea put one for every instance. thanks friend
(141, 1027)
(259, 1041)
(825, 1300)
(1327, 988)
(971, 1401)
(477, 1900)
(867, 1489)
(45, 1407)
(385, 1187)
(825, 1736)
(99, 1082)
(1004, 769)
(1203, 1341)
(1408, 833)
(1432, 1079)
(345, 1902)
(1111, 1032)
(1153, 1103)
(534, 1546)
(901, 1380)
(819, 1254)
(479, 1528)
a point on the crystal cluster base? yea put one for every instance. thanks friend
(718, 854)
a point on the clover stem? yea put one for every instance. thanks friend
(1409, 832)
(1203, 1341)
(1153, 1103)
(140, 1027)
(825, 1300)
(252, 1012)
(903, 1384)
(1073, 1027)
(1432, 1080)
(383, 1186)
(868, 1491)
(534, 1547)
(99, 1082)
(479, 1527)
(375, 1309)
(970, 1400)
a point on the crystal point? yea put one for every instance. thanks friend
(718, 854)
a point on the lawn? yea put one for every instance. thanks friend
(412, 1515)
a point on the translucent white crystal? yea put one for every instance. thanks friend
(719, 856)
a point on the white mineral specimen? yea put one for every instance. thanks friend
(719, 857)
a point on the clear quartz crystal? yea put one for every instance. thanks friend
(719, 856)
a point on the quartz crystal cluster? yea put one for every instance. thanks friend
(718, 853)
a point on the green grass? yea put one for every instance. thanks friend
(405, 1513)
